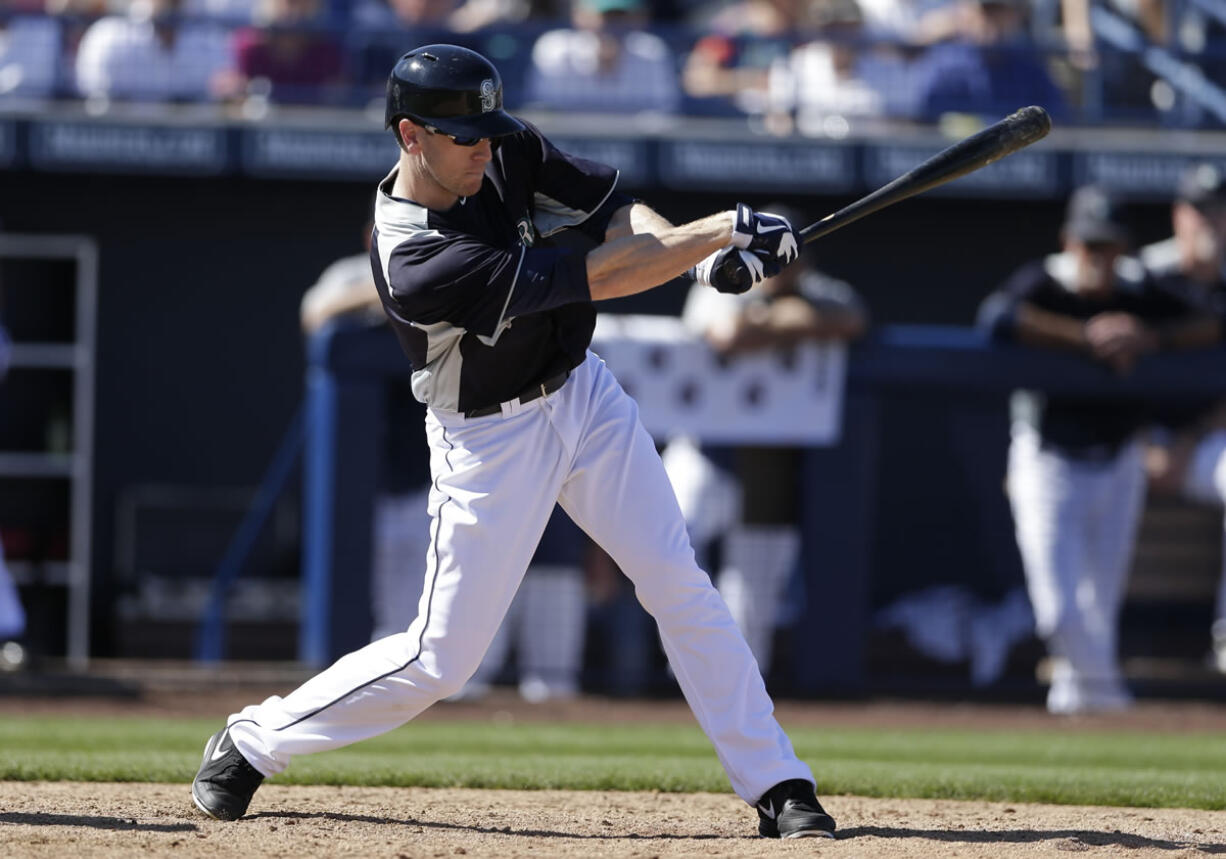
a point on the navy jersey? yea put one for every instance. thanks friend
(482, 305)
(1084, 428)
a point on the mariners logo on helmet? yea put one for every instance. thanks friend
(489, 96)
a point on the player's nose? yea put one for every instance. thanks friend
(483, 151)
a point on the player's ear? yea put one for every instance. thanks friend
(408, 135)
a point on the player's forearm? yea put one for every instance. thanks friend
(639, 261)
(1036, 327)
(794, 320)
(320, 307)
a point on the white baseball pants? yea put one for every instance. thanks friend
(1205, 481)
(1076, 525)
(496, 480)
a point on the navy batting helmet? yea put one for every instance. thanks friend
(452, 89)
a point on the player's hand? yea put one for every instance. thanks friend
(733, 270)
(771, 236)
(1119, 339)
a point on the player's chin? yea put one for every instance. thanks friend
(472, 184)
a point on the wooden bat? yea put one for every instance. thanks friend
(1018, 130)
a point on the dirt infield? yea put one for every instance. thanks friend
(114, 820)
(123, 820)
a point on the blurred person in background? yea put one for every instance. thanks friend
(1187, 454)
(149, 54)
(835, 74)
(728, 66)
(410, 15)
(1076, 479)
(381, 30)
(547, 616)
(289, 57)
(606, 62)
(12, 614)
(476, 14)
(989, 69)
(751, 506)
(30, 45)
(231, 12)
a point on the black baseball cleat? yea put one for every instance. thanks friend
(225, 782)
(790, 810)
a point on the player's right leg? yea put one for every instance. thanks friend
(495, 482)
(620, 494)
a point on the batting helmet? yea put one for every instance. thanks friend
(453, 89)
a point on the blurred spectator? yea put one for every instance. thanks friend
(752, 508)
(835, 75)
(408, 15)
(289, 57)
(386, 29)
(29, 50)
(231, 12)
(608, 62)
(476, 14)
(1188, 452)
(990, 69)
(150, 55)
(1075, 476)
(12, 614)
(728, 66)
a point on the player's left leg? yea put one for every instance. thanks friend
(619, 493)
(495, 483)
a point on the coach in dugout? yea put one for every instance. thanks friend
(1076, 479)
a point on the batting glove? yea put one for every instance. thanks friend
(767, 234)
(734, 270)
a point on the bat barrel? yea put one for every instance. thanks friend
(1012, 133)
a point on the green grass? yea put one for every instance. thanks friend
(1172, 770)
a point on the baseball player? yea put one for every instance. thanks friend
(1075, 476)
(1188, 451)
(520, 417)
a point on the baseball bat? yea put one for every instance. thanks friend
(1018, 130)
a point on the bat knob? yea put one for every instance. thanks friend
(732, 276)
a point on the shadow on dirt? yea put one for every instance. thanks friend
(489, 830)
(93, 822)
(1072, 839)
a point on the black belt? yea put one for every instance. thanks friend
(544, 389)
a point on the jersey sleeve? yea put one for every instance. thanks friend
(569, 191)
(454, 278)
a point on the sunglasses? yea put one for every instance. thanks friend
(456, 139)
